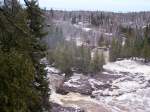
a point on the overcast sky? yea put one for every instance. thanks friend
(105, 5)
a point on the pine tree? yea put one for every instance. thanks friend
(16, 76)
(101, 41)
(146, 52)
(115, 50)
(83, 59)
(24, 86)
(17, 71)
(36, 24)
(74, 20)
(63, 59)
(97, 62)
(52, 12)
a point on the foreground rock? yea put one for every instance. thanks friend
(85, 84)
(78, 83)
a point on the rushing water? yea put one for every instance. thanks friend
(77, 100)
(128, 93)
(72, 99)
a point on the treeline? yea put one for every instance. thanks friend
(99, 19)
(23, 83)
(95, 19)
(132, 45)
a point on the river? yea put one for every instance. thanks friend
(129, 92)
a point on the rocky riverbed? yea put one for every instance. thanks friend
(124, 86)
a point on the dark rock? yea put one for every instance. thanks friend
(58, 108)
(83, 89)
(61, 91)
(86, 84)
(81, 86)
(105, 77)
(93, 96)
(103, 87)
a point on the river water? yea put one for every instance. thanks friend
(127, 93)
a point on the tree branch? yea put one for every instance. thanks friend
(12, 23)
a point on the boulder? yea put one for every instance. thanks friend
(78, 83)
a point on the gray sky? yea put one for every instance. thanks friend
(105, 5)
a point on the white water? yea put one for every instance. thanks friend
(132, 93)
(133, 85)
(77, 100)
(74, 100)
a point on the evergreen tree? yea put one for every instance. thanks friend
(146, 52)
(83, 59)
(24, 86)
(74, 20)
(137, 48)
(52, 12)
(97, 62)
(115, 50)
(101, 41)
(16, 77)
(36, 24)
(63, 59)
